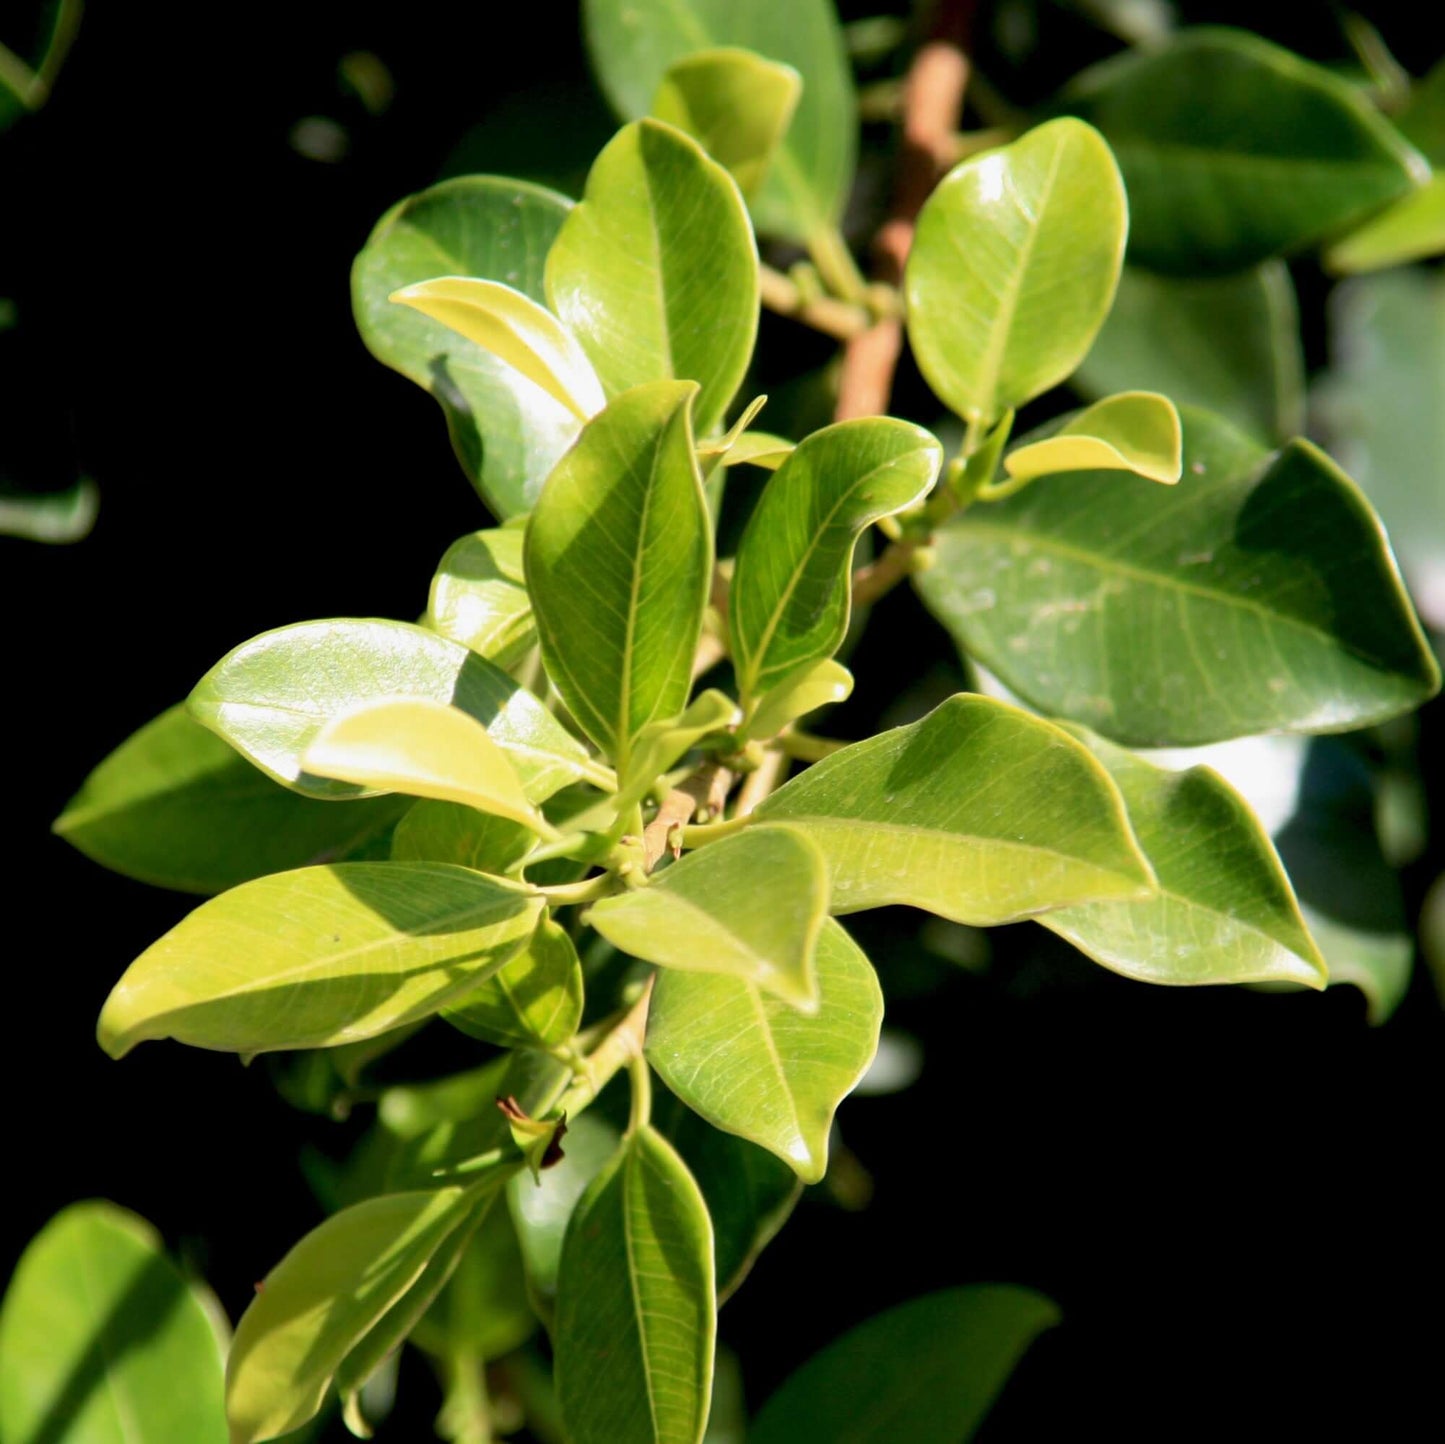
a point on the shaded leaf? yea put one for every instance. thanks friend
(479, 597)
(451, 832)
(1411, 229)
(1134, 431)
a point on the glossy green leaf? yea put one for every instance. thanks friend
(926, 1371)
(102, 1341)
(1224, 912)
(271, 696)
(479, 596)
(791, 591)
(636, 1309)
(1257, 595)
(632, 44)
(1411, 229)
(749, 906)
(656, 271)
(1230, 344)
(1135, 431)
(820, 684)
(979, 812)
(758, 448)
(1014, 266)
(1234, 150)
(533, 1001)
(735, 104)
(175, 806)
(753, 1066)
(451, 832)
(319, 956)
(660, 744)
(619, 564)
(506, 430)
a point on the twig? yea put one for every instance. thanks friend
(760, 782)
(706, 789)
(840, 319)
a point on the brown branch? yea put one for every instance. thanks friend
(706, 790)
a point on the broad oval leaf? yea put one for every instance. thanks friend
(1412, 229)
(978, 812)
(506, 430)
(636, 1307)
(820, 684)
(1224, 912)
(271, 696)
(451, 832)
(1234, 150)
(656, 271)
(926, 1371)
(173, 805)
(792, 585)
(479, 596)
(619, 564)
(750, 906)
(1014, 266)
(1135, 431)
(320, 956)
(632, 43)
(102, 1340)
(751, 1065)
(1257, 595)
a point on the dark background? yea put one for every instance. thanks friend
(1228, 1193)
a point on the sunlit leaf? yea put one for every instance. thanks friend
(1411, 229)
(1135, 431)
(819, 685)
(479, 597)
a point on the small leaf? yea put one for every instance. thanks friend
(58, 518)
(926, 1371)
(791, 591)
(1014, 267)
(102, 1340)
(819, 685)
(656, 271)
(660, 744)
(479, 598)
(515, 329)
(636, 1309)
(1135, 431)
(619, 622)
(749, 906)
(1412, 229)
(758, 448)
(450, 832)
(319, 956)
(979, 812)
(753, 1066)
(735, 104)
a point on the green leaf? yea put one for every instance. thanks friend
(1227, 343)
(1234, 150)
(479, 597)
(926, 1371)
(753, 1066)
(656, 271)
(322, 1300)
(1014, 267)
(792, 585)
(271, 696)
(515, 329)
(103, 1341)
(175, 806)
(1257, 595)
(506, 430)
(1411, 229)
(619, 564)
(749, 906)
(533, 1001)
(59, 518)
(735, 104)
(1224, 912)
(451, 832)
(660, 744)
(1423, 119)
(636, 1311)
(819, 684)
(758, 448)
(632, 44)
(978, 812)
(319, 956)
(1135, 431)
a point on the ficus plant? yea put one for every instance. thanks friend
(582, 811)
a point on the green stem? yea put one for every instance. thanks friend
(998, 490)
(806, 747)
(699, 834)
(599, 775)
(639, 1075)
(835, 263)
(466, 1414)
(567, 894)
(569, 844)
(621, 1042)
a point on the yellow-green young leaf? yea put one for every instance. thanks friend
(660, 744)
(758, 448)
(1136, 431)
(735, 104)
(819, 685)
(102, 1341)
(271, 696)
(515, 329)
(750, 906)
(534, 1001)
(751, 1065)
(1224, 911)
(1412, 229)
(636, 1307)
(979, 812)
(451, 832)
(619, 564)
(425, 749)
(1014, 267)
(656, 271)
(319, 956)
(479, 597)
(792, 585)
(713, 451)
